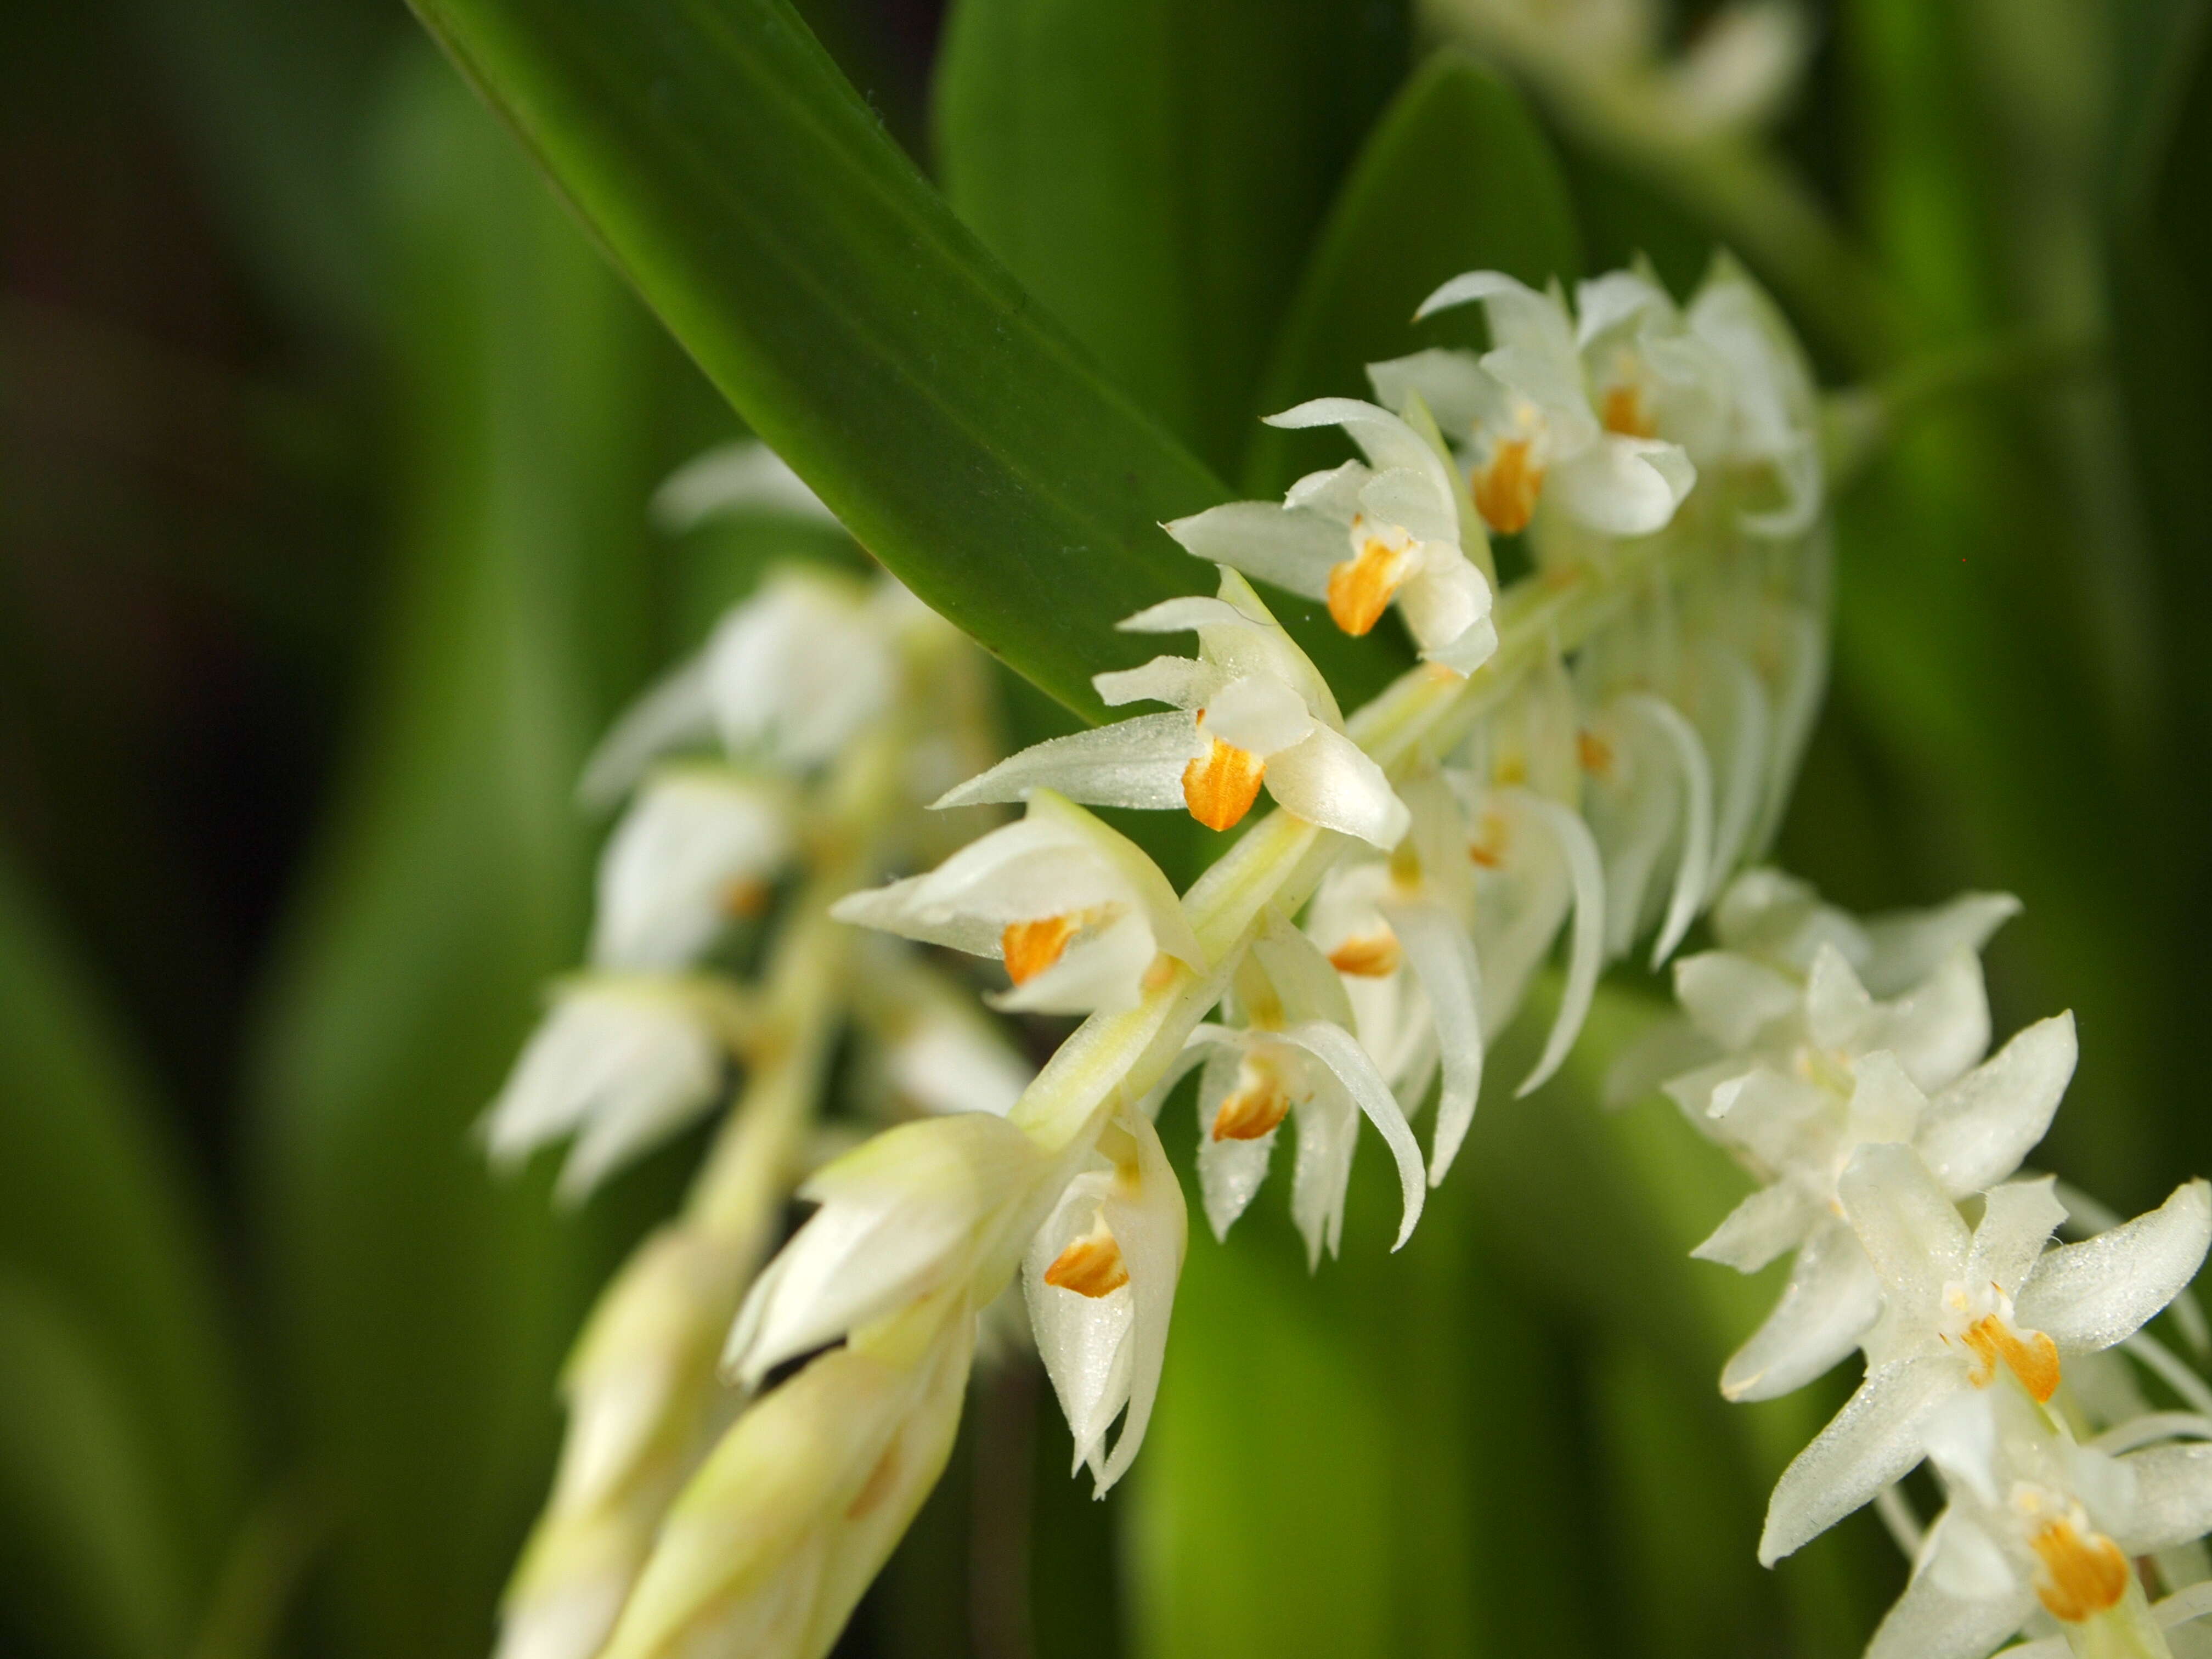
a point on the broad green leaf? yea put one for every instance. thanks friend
(1456, 176)
(1154, 172)
(858, 327)
(123, 1458)
(422, 1304)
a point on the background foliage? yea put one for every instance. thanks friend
(326, 437)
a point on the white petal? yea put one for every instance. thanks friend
(1731, 998)
(1258, 712)
(1408, 499)
(1697, 844)
(1744, 782)
(1328, 1136)
(1334, 493)
(1838, 1010)
(1230, 1172)
(745, 476)
(1285, 545)
(1622, 486)
(2090, 1295)
(1586, 950)
(1768, 1222)
(1192, 613)
(1181, 682)
(1454, 385)
(1831, 1300)
(2172, 1500)
(1329, 780)
(1447, 608)
(1387, 441)
(1084, 1341)
(901, 1214)
(1908, 946)
(1905, 1223)
(1875, 1439)
(1335, 1049)
(676, 713)
(2017, 1220)
(799, 667)
(1310, 988)
(1151, 1228)
(1602, 303)
(1443, 959)
(665, 877)
(1977, 1131)
(1137, 762)
(1942, 1027)
(1929, 1622)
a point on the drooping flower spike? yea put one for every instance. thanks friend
(1076, 911)
(1363, 536)
(1255, 712)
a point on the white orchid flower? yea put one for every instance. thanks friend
(1293, 1056)
(789, 675)
(1100, 1282)
(1255, 711)
(1076, 911)
(932, 1049)
(928, 1206)
(621, 1063)
(1772, 422)
(698, 847)
(1396, 929)
(2034, 1522)
(1960, 1308)
(1364, 537)
(1525, 414)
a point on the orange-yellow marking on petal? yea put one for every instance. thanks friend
(1220, 786)
(878, 1486)
(2034, 1356)
(744, 898)
(1030, 947)
(1506, 486)
(2080, 1577)
(1488, 848)
(1622, 410)
(1256, 1105)
(1360, 589)
(1372, 956)
(1595, 754)
(1091, 1266)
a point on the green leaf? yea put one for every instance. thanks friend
(1155, 173)
(123, 1462)
(1456, 176)
(795, 252)
(424, 1305)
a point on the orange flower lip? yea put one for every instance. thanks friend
(2033, 1356)
(1091, 1266)
(1255, 1106)
(1372, 956)
(2080, 1577)
(1360, 588)
(1220, 786)
(1506, 488)
(1030, 947)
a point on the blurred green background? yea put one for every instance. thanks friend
(326, 439)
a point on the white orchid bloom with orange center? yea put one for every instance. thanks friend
(1254, 712)
(1526, 415)
(929, 1208)
(1396, 930)
(1100, 1282)
(1292, 1056)
(621, 1061)
(1964, 1309)
(1363, 536)
(790, 676)
(2036, 1526)
(698, 848)
(1076, 911)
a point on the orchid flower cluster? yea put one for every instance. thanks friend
(1581, 764)
(832, 709)
(1845, 1064)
